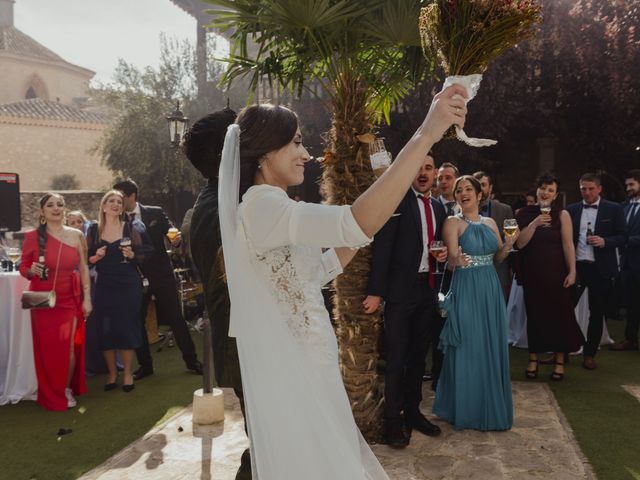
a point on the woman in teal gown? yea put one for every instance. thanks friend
(474, 389)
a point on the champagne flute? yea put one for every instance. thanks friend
(125, 242)
(545, 209)
(435, 248)
(510, 226)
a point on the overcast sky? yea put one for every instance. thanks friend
(95, 33)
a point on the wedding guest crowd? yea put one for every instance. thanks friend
(560, 254)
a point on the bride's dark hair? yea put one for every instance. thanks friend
(263, 129)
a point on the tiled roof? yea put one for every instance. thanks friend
(47, 110)
(14, 41)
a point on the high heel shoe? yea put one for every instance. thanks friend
(128, 388)
(557, 376)
(110, 386)
(532, 374)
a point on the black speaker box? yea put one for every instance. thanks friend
(10, 202)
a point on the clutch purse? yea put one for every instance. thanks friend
(42, 299)
(31, 299)
(445, 300)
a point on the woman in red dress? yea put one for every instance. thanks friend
(58, 333)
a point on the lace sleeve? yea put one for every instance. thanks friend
(273, 220)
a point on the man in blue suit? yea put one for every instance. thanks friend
(404, 274)
(599, 228)
(631, 263)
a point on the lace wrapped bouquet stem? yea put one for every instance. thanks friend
(465, 36)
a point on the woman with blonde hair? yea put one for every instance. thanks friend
(115, 248)
(78, 220)
(54, 257)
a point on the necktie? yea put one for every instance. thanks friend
(633, 210)
(430, 234)
(450, 211)
(584, 205)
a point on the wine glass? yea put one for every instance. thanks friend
(545, 209)
(125, 242)
(510, 226)
(435, 248)
(14, 254)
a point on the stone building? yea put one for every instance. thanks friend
(45, 128)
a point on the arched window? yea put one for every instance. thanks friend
(36, 88)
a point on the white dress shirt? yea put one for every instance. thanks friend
(584, 251)
(137, 212)
(424, 261)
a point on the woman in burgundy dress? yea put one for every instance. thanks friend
(58, 333)
(547, 270)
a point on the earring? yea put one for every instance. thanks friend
(43, 221)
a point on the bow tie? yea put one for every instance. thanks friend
(584, 205)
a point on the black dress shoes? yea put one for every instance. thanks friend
(128, 388)
(110, 386)
(195, 366)
(142, 372)
(419, 422)
(396, 434)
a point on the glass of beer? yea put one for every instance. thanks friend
(510, 226)
(435, 248)
(125, 242)
(172, 233)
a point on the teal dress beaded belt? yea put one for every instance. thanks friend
(479, 261)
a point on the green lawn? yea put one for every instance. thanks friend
(31, 448)
(603, 416)
(605, 419)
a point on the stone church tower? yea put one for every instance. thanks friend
(44, 130)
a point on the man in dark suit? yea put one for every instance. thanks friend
(598, 230)
(403, 273)
(447, 174)
(499, 212)
(203, 146)
(631, 263)
(158, 270)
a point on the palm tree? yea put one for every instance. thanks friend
(365, 55)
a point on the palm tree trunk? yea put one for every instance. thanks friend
(347, 173)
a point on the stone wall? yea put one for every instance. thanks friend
(87, 201)
(38, 151)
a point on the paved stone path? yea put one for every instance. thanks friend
(540, 446)
(634, 390)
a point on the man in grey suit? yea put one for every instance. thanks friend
(499, 212)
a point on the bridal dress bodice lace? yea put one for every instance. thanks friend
(299, 417)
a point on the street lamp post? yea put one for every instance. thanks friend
(178, 124)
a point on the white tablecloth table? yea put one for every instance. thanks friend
(517, 318)
(17, 370)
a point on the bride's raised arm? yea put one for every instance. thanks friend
(376, 205)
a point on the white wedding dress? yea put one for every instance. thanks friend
(298, 414)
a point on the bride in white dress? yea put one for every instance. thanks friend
(298, 415)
